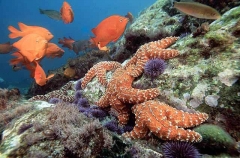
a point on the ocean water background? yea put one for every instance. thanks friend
(88, 13)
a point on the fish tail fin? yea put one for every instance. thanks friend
(92, 40)
(41, 11)
(50, 76)
(60, 41)
(14, 61)
(22, 26)
(14, 32)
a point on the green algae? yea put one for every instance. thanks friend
(214, 138)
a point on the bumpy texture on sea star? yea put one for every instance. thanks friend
(152, 50)
(119, 93)
(61, 94)
(165, 122)
(99, 70)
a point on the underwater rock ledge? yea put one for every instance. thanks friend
(204, 77)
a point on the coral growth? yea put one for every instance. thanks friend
(8, 95)
(60, 94)
(90, 139)
(60, 127)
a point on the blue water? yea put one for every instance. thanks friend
(88, 14)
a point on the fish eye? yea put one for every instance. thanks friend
(121, 19)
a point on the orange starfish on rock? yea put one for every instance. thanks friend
(99, 70)
(152, 50)
(165, 122)
(119, 93)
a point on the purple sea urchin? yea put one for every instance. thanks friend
(98, 113)
(77, 96)
(83, 102)
(154, 68)
(78, 85)
(180, 150)
(112, 126)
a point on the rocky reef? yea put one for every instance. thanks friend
(203, 77)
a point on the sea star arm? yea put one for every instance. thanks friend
(103, 102)
(154, 115)
(139, 131)
(163, 43)
(133, 96)
(99, 70)
(185, 119)
(88, 76)
(103, 67)
(151, 46)
(161, 125)
(101, 75)
(147, 54)
(122, 109)
(166, 131)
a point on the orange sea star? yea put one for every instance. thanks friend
(165, 122)
(119, 90)
(119, 93)
(99, 70)
(152, 50)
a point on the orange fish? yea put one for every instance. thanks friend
(25, 30)
(53, 51)
(21, 60)
(32, 46)
(5, 48)
(66, 42)
(67, 13)
(109, 30)
(40, 76)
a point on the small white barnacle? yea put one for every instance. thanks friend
(158, 129)
(168, 134)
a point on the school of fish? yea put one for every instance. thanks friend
(32, 47)
(34, 43)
